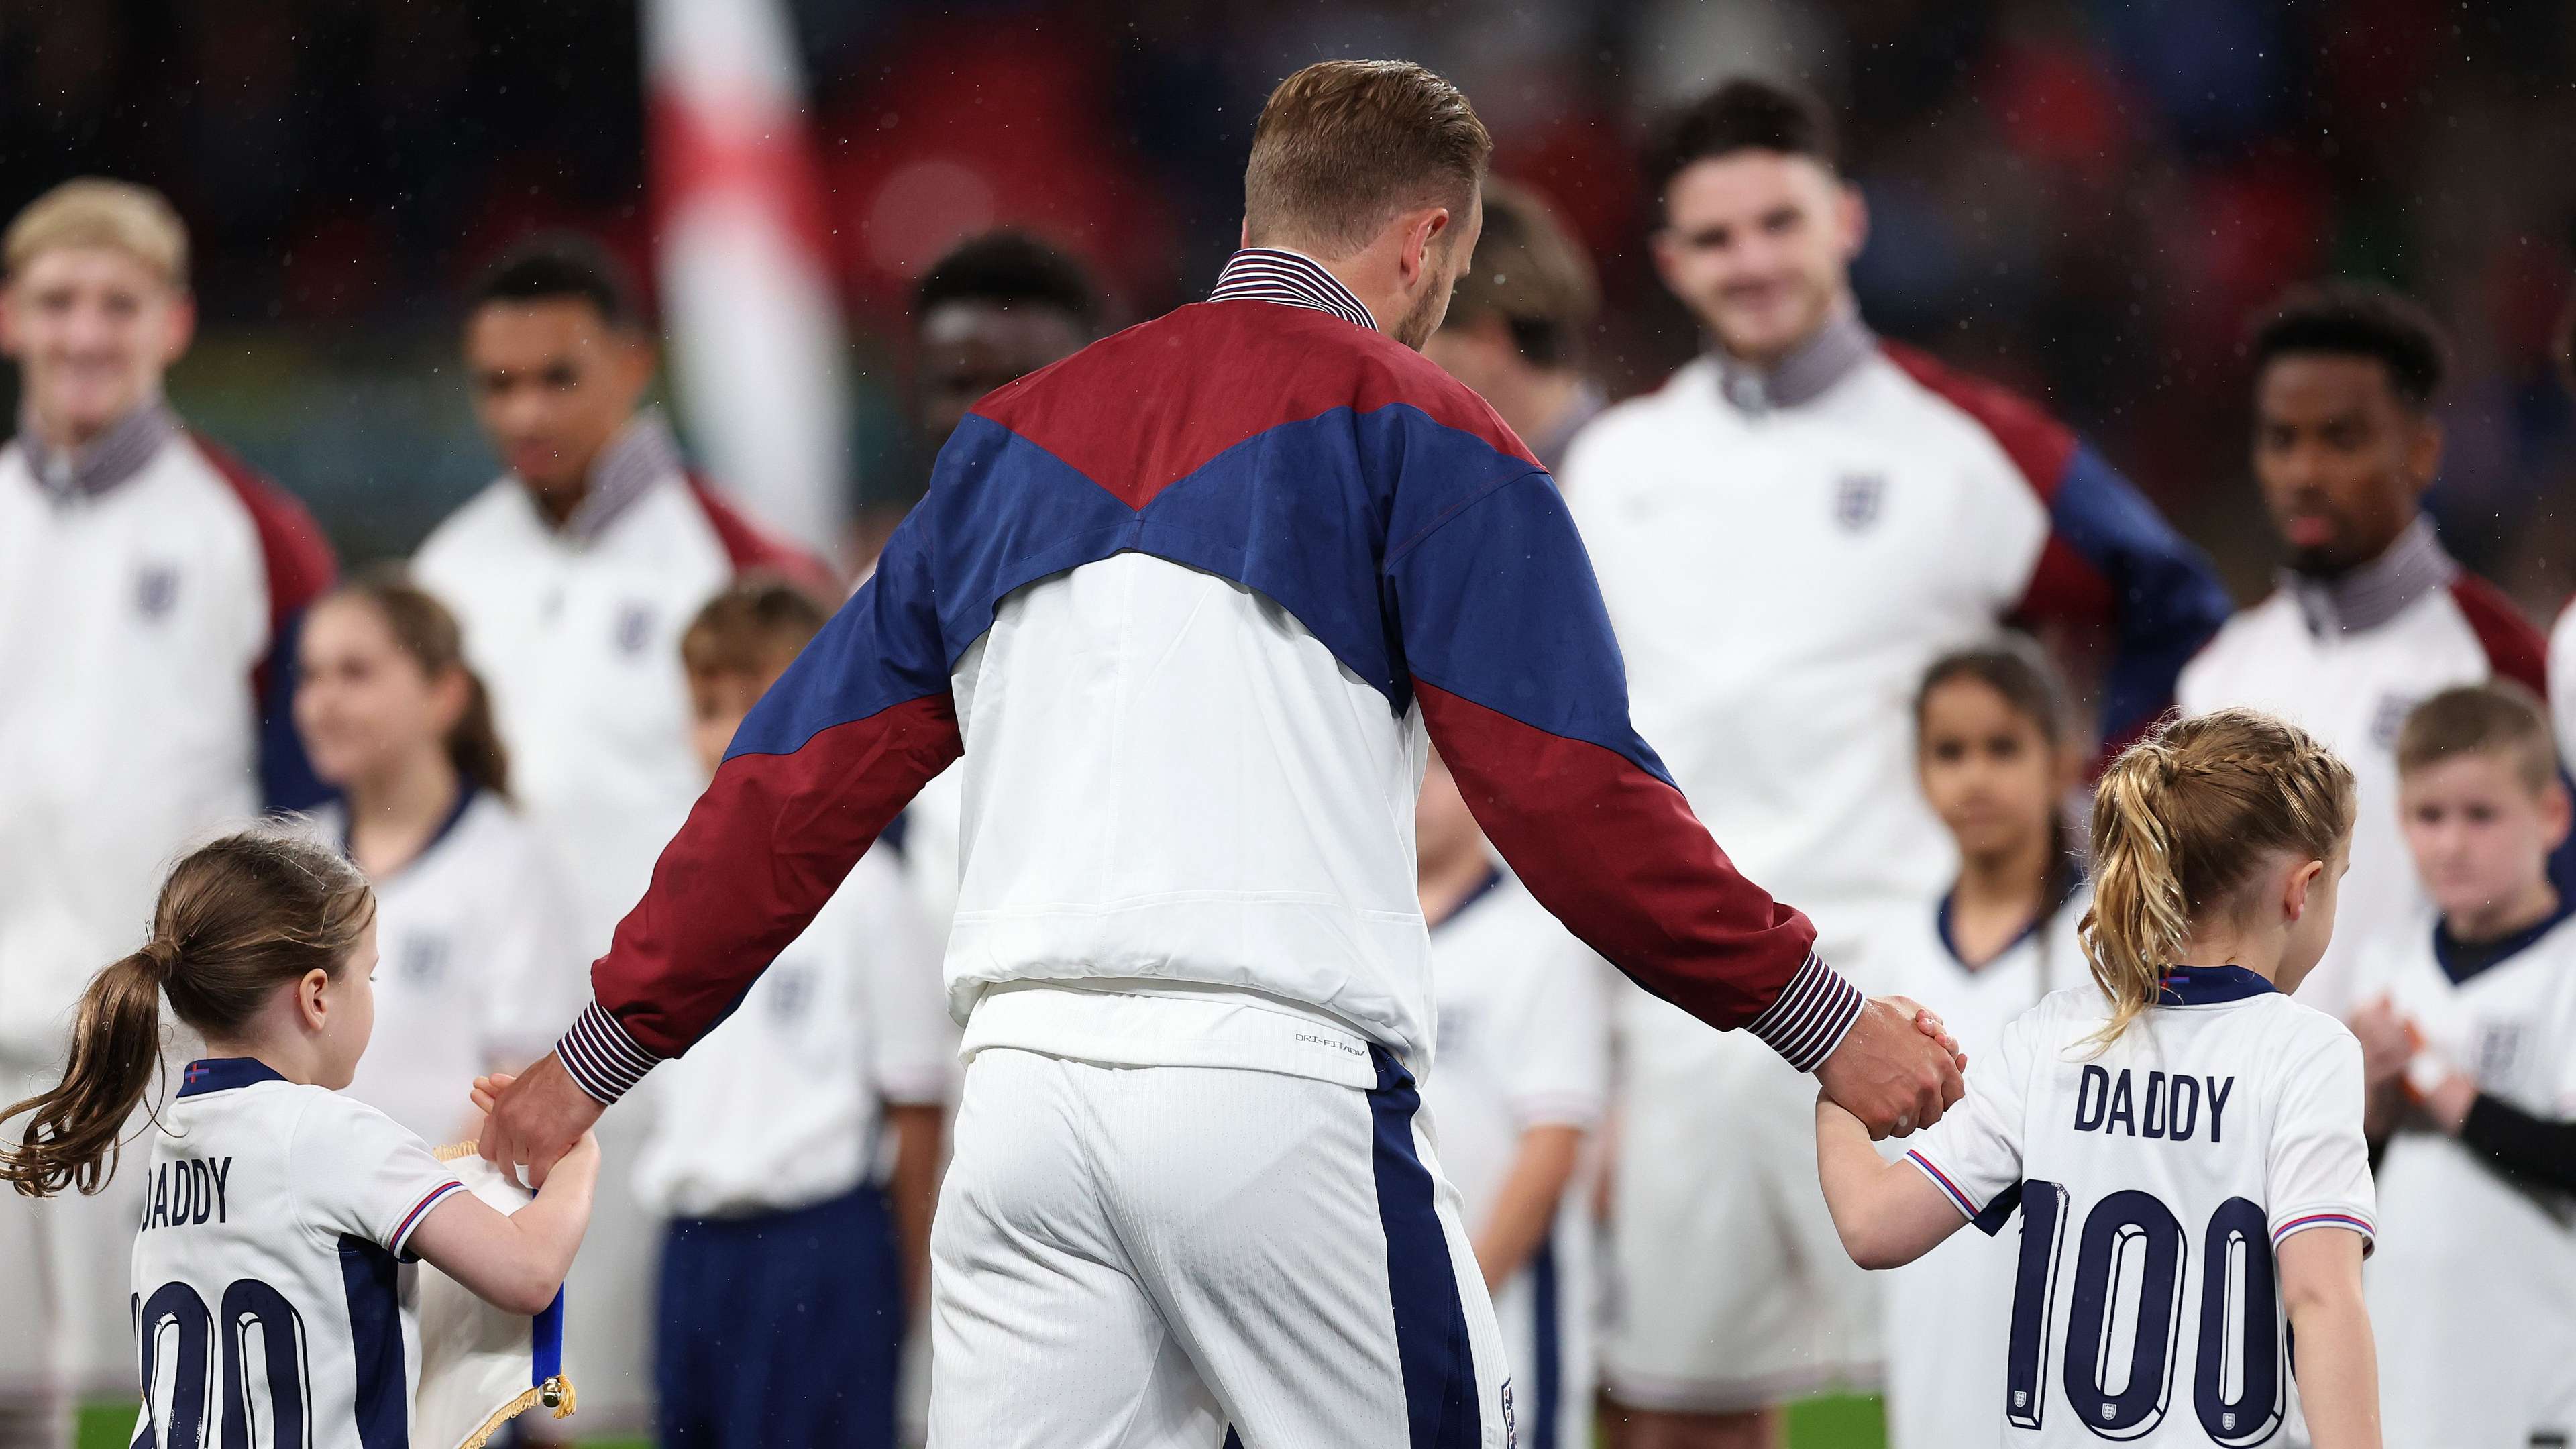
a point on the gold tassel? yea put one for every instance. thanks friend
(555, 1393)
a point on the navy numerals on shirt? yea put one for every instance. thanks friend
(2169, 1108)
(186, 1192)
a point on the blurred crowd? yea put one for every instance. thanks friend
(2087, 201)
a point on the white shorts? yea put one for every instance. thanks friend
(1139, 1257)
(1730, 1289)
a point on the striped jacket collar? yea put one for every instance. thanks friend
(125, 449)
(2378, 591)
(1812, 368)
(1275, 274)
(642, 454)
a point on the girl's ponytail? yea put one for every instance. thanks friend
(236, 920)
(72, 1139)
(2140, 919)
(2183, 820)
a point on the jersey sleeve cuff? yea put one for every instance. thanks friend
(603, 1060)
(2326, 1217)
(1811, 1015)
(400, 1245)
(1949, 1189)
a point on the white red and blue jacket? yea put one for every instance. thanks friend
(1188, 601)
(151, 588)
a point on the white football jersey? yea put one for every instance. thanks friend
(778, 1107)
(2346, 662)
(1949, 1313)
(2473, 1295)
(273, 1296)
(2154, 1179)
(1524, 1042)
(475, 958)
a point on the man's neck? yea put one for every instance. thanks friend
(71, 438)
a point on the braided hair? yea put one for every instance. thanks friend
(2183, 821)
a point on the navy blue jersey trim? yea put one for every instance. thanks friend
(1439, 1366)
(1547, 1349)
(466, 793)
(2211, 985)
(2462, 960)
(221, 1074)
(373, 1283)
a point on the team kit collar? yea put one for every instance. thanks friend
(2378, 591)
(1807, 373)
(1293, 279)
(125, 449)
(222, 1074)
(642, 454)
(2211, 986)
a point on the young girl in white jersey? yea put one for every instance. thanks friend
(271, 1298)
(2183, 1141)
(1995, 760)
(473, 921)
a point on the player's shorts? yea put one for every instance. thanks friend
(781, 1330)
(1730, 1289)
(1546, 1313)
(1139, 1257)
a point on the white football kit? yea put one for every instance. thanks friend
(1782, 556)
(1948, 1314)
(2346, 661)
(151, 587)
(576, 632)
(2473, 1291)
(2154, 1178)
(475, 953)
(1524, 1043)
(778, 1107)
(273, 1294)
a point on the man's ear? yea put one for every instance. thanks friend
(2424, 452)
(1422, 230)
(180, 328)
(1851, 219)
(2557, 812)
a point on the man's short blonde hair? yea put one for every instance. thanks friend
(96, 212)
(1344, 145)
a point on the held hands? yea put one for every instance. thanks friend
(536, 1119)
(1897, 1070)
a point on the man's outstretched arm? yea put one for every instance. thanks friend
(845, 738)
(1522, 689)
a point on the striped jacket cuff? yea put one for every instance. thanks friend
(603, 1060)
(1811, 1015)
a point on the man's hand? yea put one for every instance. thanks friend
(1891, 1072)
(536, 1117)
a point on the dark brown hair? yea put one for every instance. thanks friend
(2018, 670)
(2182, 820)
(1344, 145)
(2501, 716)
(237, 920)
(756, 627)
(424, 630)
(1531, 274)
(1742, 115)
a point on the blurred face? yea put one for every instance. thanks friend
(340, 1011)
(2343, 461)
(553, 382)
(364, 708)
(1478, 352)
(718, 701)
(2481, 838)
(2316, 884)
(1759, 246)
(970, 348)
(1444, 829)
(92, 330)
(1988, 770)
